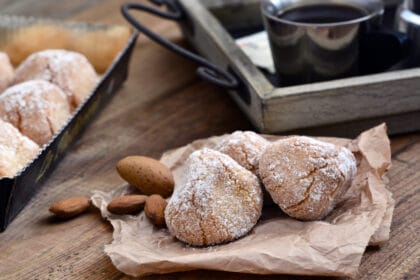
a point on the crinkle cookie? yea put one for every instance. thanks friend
(245, 147)
(220, 202)
(16, 150)
(69, 70)
(306, 177)
(37, 108)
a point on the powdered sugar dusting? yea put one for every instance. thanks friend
(69, 70)
(221, 201)
(305, 177)
(16, 150)
(37, 108)
(244, 147)
(13, 97)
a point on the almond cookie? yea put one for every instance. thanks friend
(220, 201)
(306, 177)
(6, 71)
(245, 147)
(16, 150)
(37, 108)
(70, 71)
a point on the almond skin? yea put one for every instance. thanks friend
(147, 174)
(70, 207)
(127, 204)
(155, 210)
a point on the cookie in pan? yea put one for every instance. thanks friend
(69, 70)
(37, 108)
(16, 150)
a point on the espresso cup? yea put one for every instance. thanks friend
(317, 40)
(408, 21)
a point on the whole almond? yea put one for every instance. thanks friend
(155, 210)
(147, 174)
(70, 207)
(127, 204)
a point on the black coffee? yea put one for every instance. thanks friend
(323, 13)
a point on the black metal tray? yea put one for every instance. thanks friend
(16, 192)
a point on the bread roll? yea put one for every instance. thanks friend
(16, 150)
(70, 71)
(37, 108)
(306, 177)
(220, 201)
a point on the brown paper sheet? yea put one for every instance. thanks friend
(278, 244)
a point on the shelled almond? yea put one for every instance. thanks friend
(70, 207)
(147, 174)
(127, 204)
(155, 210)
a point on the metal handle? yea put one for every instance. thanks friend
(207, 71)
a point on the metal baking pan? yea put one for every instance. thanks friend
(16, 192)
(342, 107)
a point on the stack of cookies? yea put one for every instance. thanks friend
(222, 198)
(36, 101)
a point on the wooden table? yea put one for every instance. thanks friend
(162, 105)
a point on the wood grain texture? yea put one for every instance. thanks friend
(161, 106)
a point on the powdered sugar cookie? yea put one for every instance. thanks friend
(245, 147)
(70, 71)
(16, 150)
(37, 108)
(220, 202)
(306, 177)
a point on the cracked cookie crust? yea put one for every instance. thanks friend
(306, 177)
(16, 150)
(219, 202)
(245, 147)
(38, 109)
(69, 70)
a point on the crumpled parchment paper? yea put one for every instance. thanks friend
(278, 244)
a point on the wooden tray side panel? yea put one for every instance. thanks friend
(343, 101)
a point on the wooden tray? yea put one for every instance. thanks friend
(342, 107)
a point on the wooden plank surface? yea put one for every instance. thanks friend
(163, 105)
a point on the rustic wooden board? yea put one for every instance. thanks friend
(162, 106)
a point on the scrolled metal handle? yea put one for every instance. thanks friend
(207, 71)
